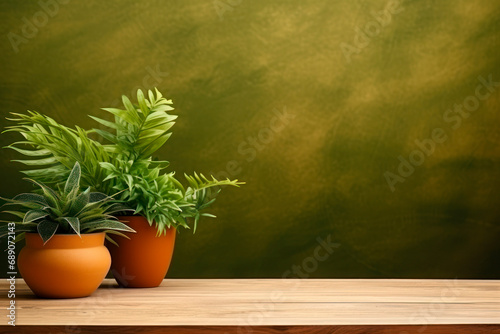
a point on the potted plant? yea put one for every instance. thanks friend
(64, 255)
(160, 203)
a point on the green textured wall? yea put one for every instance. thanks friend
(312, 103)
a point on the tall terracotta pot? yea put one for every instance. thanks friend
(67, 266)
(143, 260)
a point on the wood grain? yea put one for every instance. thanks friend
(248, 304)
(378, 329)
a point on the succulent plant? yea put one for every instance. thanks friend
(68, 211)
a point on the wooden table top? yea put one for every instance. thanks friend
(266, 302)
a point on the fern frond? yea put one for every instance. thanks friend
(139, 130)
(57, 148)
(199, 182)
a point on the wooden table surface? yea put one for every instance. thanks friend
(262, 305)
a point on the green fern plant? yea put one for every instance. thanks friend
(53, 149)
(124, 165)
(70, 211)
(138, 132)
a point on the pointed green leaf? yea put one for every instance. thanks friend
(31, 198)
(106, 135)
(34, 215)
(155, 145)
(109, 225)
(158, 94)
(79, 203)
(122, 114)
(45, 172)
(90, 218)
(18, 214)
(163, 108)
(142, 102)
(104, 122)
(107, 166)
(30, 153)
(196, 219)
(73, 182)
(51, 197)
(38, 162)
(21, 235)
(151, 96)
(74, 222)
(47, 229)
(97, 197)
(128, 105)
(118, 207)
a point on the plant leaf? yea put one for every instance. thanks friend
(47, 228)
(106, 135)
(104, 122)
(97, 197)
(142, 102)
(79, 203)
(73, 182)
(34, 215)
(31, 198)
(51, 197)
(30, 153)
(16, 213)
(108, 224)
(38, 162)
(74, 222)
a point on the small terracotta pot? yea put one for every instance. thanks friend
(67, 266)
(143, 260)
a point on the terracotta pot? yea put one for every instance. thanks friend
(67, 266)
(143, 260)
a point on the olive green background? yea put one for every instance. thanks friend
(232, 66)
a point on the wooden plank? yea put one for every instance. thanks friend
(249, 303)
(378, 329)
